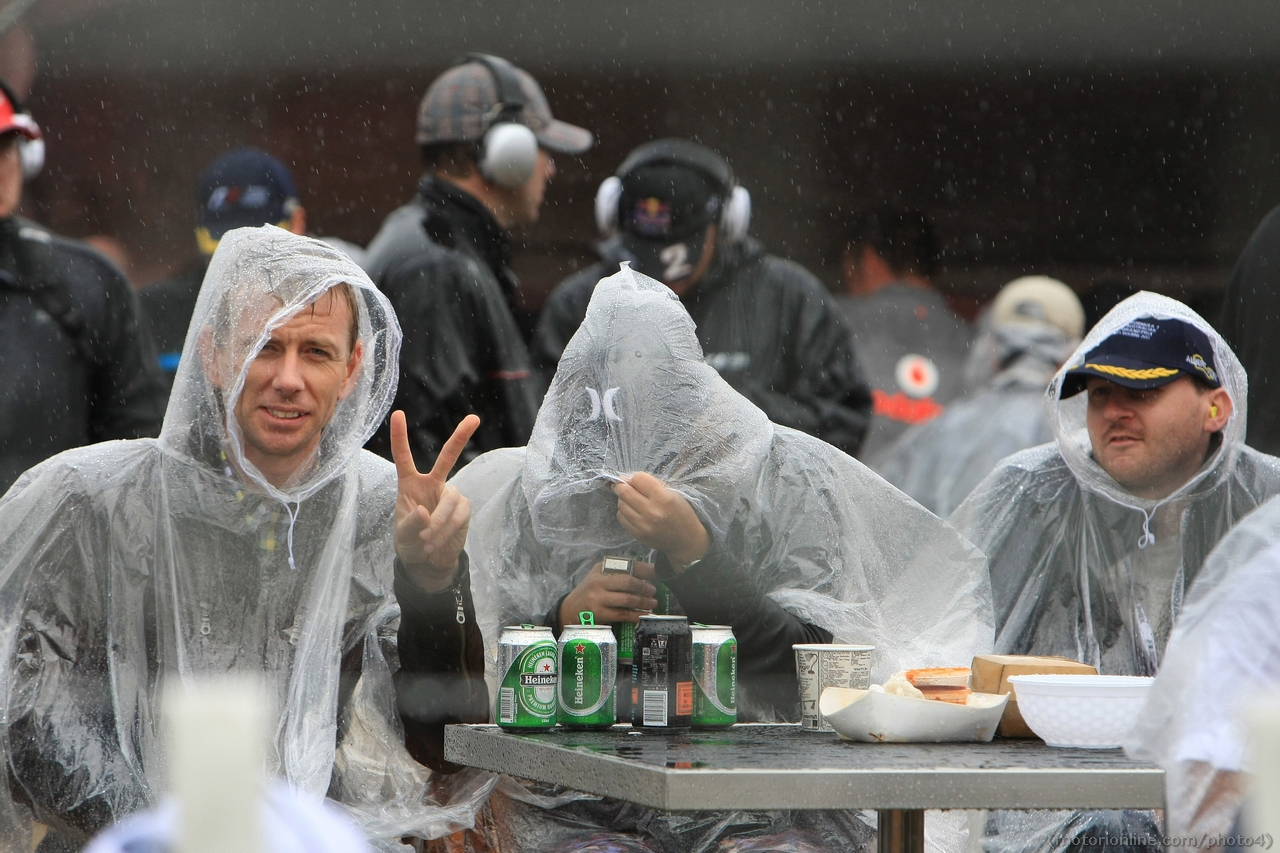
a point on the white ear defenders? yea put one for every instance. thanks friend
(735, 203)
(508, 153)
(30, 151)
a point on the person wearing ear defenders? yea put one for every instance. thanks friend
(486, 134)
(675, 211)
(78, 366)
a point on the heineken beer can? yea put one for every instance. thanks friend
(715, 677)
(588, 664)
(527, 694)
(662, 674)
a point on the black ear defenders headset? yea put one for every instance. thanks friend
(508, 153)
(30, 151)
(735, 201)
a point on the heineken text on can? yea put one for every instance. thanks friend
(527, 694)
(588, 668)
(662, 673)
(715, 676)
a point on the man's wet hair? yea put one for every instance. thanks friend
(904, 238)
(453, 159)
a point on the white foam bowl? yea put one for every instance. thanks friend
(1081, 711)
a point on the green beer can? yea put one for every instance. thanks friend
(588, 663)
(715, 677)
(527, 694)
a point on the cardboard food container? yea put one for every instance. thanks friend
(990, 674)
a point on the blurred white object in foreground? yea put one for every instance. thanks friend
(219, 799)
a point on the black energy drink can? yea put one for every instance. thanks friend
(527, 694)
(715, 677)
(662, 673)
(588, 659)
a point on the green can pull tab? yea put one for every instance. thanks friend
(527, 625)
(587, 618)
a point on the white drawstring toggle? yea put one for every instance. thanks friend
(293, 519)
(1147, 537)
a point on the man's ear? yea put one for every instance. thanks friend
(1219, 410)
(208, 357)
(353, 369)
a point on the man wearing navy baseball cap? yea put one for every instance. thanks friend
(1095, 539)
(1156, 405)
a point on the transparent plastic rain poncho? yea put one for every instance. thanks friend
(824, 537)
(1082, 568)
(1223, 655)
(127, 564)
(941, 461)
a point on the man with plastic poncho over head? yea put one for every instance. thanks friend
(1093, 539)
(253, 536)
(1034, 325)
(642, 448)
(1223, 655)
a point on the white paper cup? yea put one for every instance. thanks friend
(820, 665)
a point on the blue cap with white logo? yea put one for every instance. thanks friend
(1147, 353)
(243, 188)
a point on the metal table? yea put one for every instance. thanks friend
(781, 767)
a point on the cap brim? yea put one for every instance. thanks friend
(565, 138)
(1125, 372)
(661, 259)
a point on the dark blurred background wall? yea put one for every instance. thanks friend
(1078, 139)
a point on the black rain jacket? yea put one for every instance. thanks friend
(443, 262)
(79, 367)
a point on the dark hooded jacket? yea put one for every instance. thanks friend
(766, 325)
(444, 263)
(78, 367)
(1250, 313)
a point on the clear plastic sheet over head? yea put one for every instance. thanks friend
(126, 564)
(1223, 655)
(1079, 566)
(832, 542)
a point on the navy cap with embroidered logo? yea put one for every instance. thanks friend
(664, 211)
(1147, 353)
(243, 188)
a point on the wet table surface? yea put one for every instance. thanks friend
(782, 767)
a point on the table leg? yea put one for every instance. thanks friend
(900, 830)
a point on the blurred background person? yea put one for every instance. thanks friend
(674, 210)
(486, 135)
(1250, 318)
(1034, 325)
(242, 188)
(910, 344)
(79, 368)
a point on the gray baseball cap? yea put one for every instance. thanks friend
(460, 104)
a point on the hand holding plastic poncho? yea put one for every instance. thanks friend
(1224, 654)
(809, 526)
(127, 564)
(1079, 566)
(791, 519)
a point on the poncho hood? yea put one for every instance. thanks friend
(1068, 416)
(630, 388)
(258, 280)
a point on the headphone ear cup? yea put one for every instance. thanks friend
(31, 155)
(607, 198)
(736, 218)
(509, 155)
